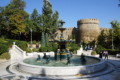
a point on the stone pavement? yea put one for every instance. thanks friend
(114, 75)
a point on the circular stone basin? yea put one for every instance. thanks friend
(75, 61)
(93, 64)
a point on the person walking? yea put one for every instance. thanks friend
(37, 46)
(106, 55)
(86, 48)
(100, 54)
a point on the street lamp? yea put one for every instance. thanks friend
(31, 38)
(19, 35)
(112, 40)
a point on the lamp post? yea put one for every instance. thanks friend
(20, 35)
(112, 40)
(31, 38)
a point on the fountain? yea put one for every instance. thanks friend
(62, 63)
(62, 53)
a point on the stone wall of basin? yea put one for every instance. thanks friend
(62, 70)
(40, 53)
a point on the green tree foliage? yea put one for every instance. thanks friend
(92, 43)
(3, 24)
(46, 22)
(70, 37)
(29, 25)
(42, 40)
(46, 39)
(116, 32)
(18, 4)
(12, 11)
(73, 36)
(99, 48)
(16, 7)
(83, 44)
(73, 47)
(35, 18)
(49, 19)
(2, 18)
(16, 24)
(105, 38)
(101, 38)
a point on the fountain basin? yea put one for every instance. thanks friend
(71, 70)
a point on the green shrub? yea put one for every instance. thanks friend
(34, 42)
(3, 48)
(54, 49)
(35, 50)
(74, 48)
(9, 42)
(50, 49)
(43, 49)
(55, 45)
(111, 51)
(5, 56)
(68, 46)
(22, 44)
(99, 48)
(28, 50)
(93, 53)
(49, 45)
(74, 52)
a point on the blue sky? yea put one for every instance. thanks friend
(71, 11)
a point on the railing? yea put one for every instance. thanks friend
(18, 50)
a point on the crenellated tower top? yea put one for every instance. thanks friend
(88, 21)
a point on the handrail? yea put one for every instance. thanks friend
(20, 51)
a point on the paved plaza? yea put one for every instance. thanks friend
(112, 73)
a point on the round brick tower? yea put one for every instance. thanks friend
(88, 30)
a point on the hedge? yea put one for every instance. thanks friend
(111, 51)
(93, 53)
(5, 56)
(43, 49)
(3, 48)
(21, 44)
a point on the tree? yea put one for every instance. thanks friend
(101, 38)
(46, 39)
(35, 20)
(16, 25)
(13, 11)
(92, 43)
(42, 40)
(116, 32)
(73, 36)
(18, 4)
(3, 24)
(49, 19)
(16, 7)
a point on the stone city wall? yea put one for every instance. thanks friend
(87, 30)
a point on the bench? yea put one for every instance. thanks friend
(117, 55)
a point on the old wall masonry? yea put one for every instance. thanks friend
(87, 30)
